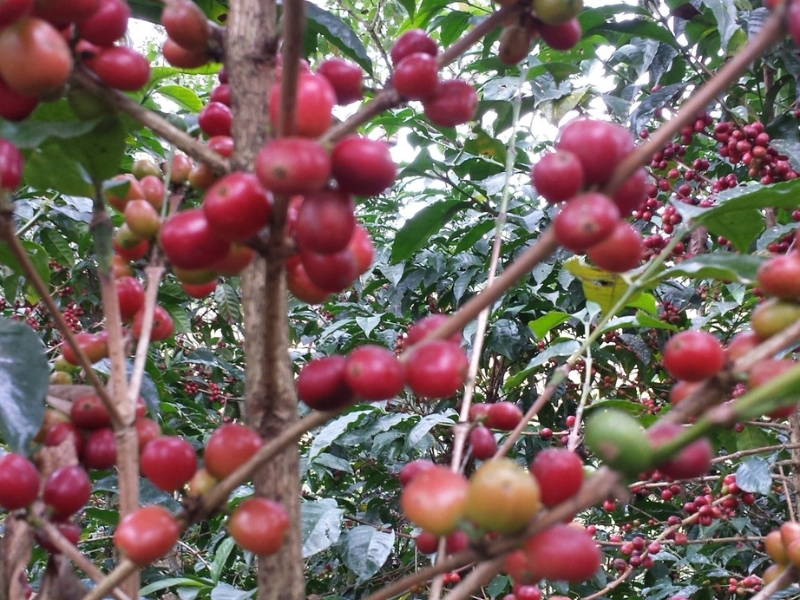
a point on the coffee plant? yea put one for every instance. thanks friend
(411, 299)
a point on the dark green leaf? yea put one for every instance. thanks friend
(427, 423)
(754, 475)
(322, 525)
(338, 33)
(641, 28)
(545, 323)
(221, 556)
(101, 150)
(24, 379)
(367, 550)
(725, 13)
(723, 266)
(49, 168)
(415, 233)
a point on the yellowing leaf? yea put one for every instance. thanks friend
(599, 286)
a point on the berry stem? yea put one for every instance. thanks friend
(123, 570)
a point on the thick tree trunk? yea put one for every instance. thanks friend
(271, 403)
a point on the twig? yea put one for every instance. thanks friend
(154, 274)
(148, 118)
(66, 548)
(782, 581)
(294, 19)
(789, 506)
(112, 580)
(21, 255)
(482, 573)
(572, 442)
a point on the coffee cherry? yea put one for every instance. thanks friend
(19, 481)
(163, 325)
(585, 221)
(325, 222)
(436, 369)
(229, 447)
(67, 490)
(374, 373)
(416, 77)
(454, 103)
(147, 534)
(436, 500)
(169, 462)
(693, 355)
(504, 416)
(420, 329)
(12, 165)
(186, 25)
(293, 165)
(558, 176)
(314, 105)
(780, 276)
(502, 497)
(120, 67)
(345, 77)
(413, 40)
(236, 208)
(334, 272)
(36, 58)
(563, 553)
(410, 471)
(619, 440)
(362, 166)
(563, 36)
(190, 241)
(619, 252)
(599, 145)
(259, 525)
(693, 460)
(559, 473)
(482, 442)
(101, 449)
(216, 119)
(107, 24)
(773, 316)
(427, 543)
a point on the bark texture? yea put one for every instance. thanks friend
(271, 403)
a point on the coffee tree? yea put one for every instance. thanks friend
(379, 300)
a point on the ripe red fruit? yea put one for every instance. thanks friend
(216, 119)
(67, 490)
(325, 222)
(558, 176)
(259, 525)
(529, 592)
(482, 442)
(454, 103)
(780, 276)
(362, 166)
(436, 369)
(693, 460)
(142, 219)
(314, 105)
(419, 330)
(293, 165)
(560, 474)
(12, 165)
(135, 253)
(456, 541)
(36, 58)
(190, 242)
(94, 346)
(479, 412)
(14, 10)
(89, 412)
(229, 447)
(147, 430)
(504, 416)
(630, 196)
(120, 67)
(107, 24)
(69, 529)
(186, 24)
(61, 432)
(169, 462)
(163, 325)
(199, 290)
(303, 288)
(345, 77)
(693, 355)
(619, 252)
(235, 261)
(682, 390)
(563, 36)
(742, 343)
(236, 207)
(361, 246)
(411, 470)
(221, 93)
(427, 543)
(19, 481)
(763, 372)
(436, 500)
(182, 58)
(413, 40)
(131, 296)
(101, 449)
(374, 373)
(330, 272)
(15, 106)
(62, 13)
(147, 534)
(563, 553)
(585, 221)
(599, 145)
(322, 383)
(416, 76)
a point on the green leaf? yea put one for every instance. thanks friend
(101, 150)
(543, 324)
(426, 423)
(322, 525)
(338, 33)
(50, 168)
(632, 408)
(228, 304)
(725, 14)
(754, 475)
(419, 228)
(723, 266)
(333, 430)
(57, 246)
(224, 591)
(32, 134)
(24, 379)
(182, 96)
(221, 556)
(37, 254)
(751, 438)
(642, 29)
(737, 218)
(367, 550)
(164, 584)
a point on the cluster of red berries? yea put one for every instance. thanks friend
(749, 145)
(586, 155)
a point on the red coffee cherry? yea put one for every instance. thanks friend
(19, 481)
(147, 534)
(693, 355)
(169, 462)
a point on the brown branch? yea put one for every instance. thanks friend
(19, 252)
(123, 570)
(154, 274)
(66, 548)
(480, 575)
(294, 19)
(148, 118)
